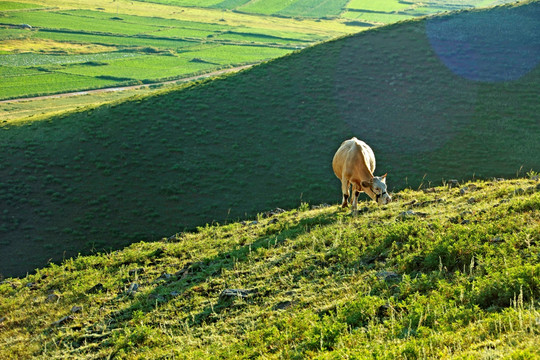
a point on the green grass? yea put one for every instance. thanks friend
(230, 4)
(235, 146)
(376, 17)
(42, 83)
(194, 3)
(379, 6)
(73, 20)
(12, 5)
(264, 7)
(432, 275)
(314, 8)
(29, 60)
(141, 68)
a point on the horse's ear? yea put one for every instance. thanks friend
(384, 176)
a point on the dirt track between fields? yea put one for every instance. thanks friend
(132, 87)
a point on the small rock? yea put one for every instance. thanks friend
(233, 293)
(463, 191)
(388, 276)
(452, 183)
(133, 272)
(157, 298)
(95, 289)
(184, 271)
(31, 286)
(76, 309)
(62, 321)
(132, 288)
(282, 305)
(273, 221)
(496, 239)
(535, 177)
(255, 222)
(427, 202)
(321, 206)
(52, 298)
(409, 214)
(163, 277)
(276, 211)
(471, 200)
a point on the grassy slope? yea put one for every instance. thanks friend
(441, 273)
(256, 140)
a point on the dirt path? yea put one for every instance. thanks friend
(121, 88)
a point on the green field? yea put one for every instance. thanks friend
(164, 47)
(448, 272)
(72, 28)
(232, 147)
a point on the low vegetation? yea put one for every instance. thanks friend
(229, 148)
(445, 272)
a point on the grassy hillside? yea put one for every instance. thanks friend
(223, 149)
(448, 272)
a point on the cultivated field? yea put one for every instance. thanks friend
(264, 138)
(77, 45)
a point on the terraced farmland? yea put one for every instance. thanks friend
(128, 49)
(153, 41)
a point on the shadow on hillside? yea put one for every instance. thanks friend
(188, 280)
